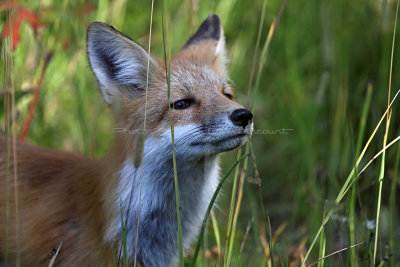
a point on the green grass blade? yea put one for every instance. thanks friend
(382, 170)
(177, 198)
(114, 255)
(352, 225)
(124, 242)
(210, 205)
(324, 222)
(6, 50)
(232, 233)
(381, 176)
(271, 244)
(322, 247)
(364, 115)
(141, 137)
(258, 41)
(265, 50)
(217, 236)
(352, 203)
(394, 182)
(349, 181)
(231, 211)
(392, 204)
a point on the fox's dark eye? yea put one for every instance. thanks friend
(229, 96)
(182, 104)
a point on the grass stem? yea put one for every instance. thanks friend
(209, 208)
(168, 75)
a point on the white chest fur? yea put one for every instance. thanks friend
(153, 188)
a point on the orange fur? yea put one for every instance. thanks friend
(60, 200)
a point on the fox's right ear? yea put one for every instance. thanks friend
(211, 31)
(120, 64)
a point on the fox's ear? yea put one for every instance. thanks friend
(120, 64)
(211, 31)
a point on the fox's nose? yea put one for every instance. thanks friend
(241, 117)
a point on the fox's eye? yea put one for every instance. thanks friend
(182, 104)
(229, 96)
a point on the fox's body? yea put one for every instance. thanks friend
(59, 201)
(68, 199)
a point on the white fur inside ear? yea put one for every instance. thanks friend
(221, 49)
(129, 73)
(107, 88)
(117, 62)
(221, 53)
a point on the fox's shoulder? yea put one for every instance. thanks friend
(34, 164)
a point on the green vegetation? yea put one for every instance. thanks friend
(319, 76)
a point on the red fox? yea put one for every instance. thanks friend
(77, 202)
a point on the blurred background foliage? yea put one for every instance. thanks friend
(323, 57)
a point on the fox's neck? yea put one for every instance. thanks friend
(146, 194)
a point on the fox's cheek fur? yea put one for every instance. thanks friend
(220, 135)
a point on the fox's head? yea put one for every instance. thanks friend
(206, 118)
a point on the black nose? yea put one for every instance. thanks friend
(241, 117)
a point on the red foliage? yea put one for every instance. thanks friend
(65, 44)
(13, 24)
(87, 8)
(19, 14)
(7, 5)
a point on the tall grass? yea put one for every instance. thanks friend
(7, 94)
(322, 71)
(210, 206)
(167, 63)
(142, 136)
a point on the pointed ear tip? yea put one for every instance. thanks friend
(98, 27)
(96, 24)
(210, 29)
(214, 16)
(214, 19)
(93, 28)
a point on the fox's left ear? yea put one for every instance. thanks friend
(122, 67)
(210, 35)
